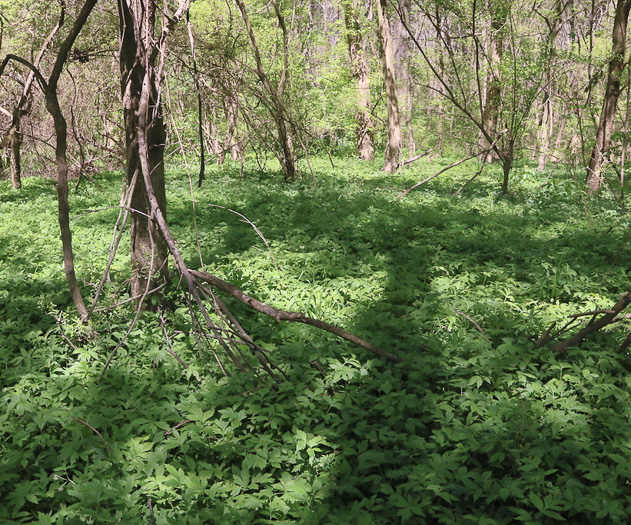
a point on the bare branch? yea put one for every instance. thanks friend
(293, 317)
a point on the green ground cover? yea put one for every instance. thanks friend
(477, 426)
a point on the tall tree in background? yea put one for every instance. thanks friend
(612, 92)
(403, 72)
(498, 9)
(393, 148)
(361, 75)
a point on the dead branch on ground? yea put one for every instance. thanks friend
(292, 317)
(413, 159)
(483, 152)
(596, 323)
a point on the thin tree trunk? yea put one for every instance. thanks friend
(200, 113)
(545, 128)
(231, 108)
(393, 148)
(149, 253)
(490, 114)
(403, 70)
(277, 109)
(612, 92)
(438, 86)
(15, 144)
(359, 73)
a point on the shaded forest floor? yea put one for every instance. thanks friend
(477, 426)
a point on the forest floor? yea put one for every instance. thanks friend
(478, 425)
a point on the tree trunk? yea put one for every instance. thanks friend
(612, 92)
(545, 129)
(403, 72)
(15, 144)
(490, 114)
(393, 148)
(360, 74)
(231, 109)
(508, 155)
(149, 253)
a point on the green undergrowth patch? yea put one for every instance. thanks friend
(477, 426)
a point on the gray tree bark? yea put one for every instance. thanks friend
(393, 149)
(612, 93)
(149, 253)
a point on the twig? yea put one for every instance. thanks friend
(476, 324)
(169, 349)
(95, 431)
(180, 424)
(150, 508)
(413, 159)
(245, 219)
(406, 192)
(294, 317)
(129, 300)
(477, 174)
(135, 319)
(625, 344)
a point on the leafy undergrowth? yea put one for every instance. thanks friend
(477, 426)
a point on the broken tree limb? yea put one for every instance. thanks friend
(413, 159)
(292, 317)
(457, 163)
(608, 317)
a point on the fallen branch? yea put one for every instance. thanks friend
(180, 424)
(491, 147)
(292, 317)
(608, 316)
(477, 174)
(413, 159)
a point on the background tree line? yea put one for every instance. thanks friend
(289, 79)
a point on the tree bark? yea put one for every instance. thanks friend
(612, 92)
(149, 253)
(360, 74)
(393, 148)
(15, 143)
(231, 109)
(493, 100)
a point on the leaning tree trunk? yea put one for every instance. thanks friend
(612, 92)
(149, 253)
(394, 127)
(360, 74)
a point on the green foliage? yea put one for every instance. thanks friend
(473, 427)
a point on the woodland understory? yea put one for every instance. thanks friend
(480, 422)
(314, 262)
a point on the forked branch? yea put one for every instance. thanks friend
(607, 317)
